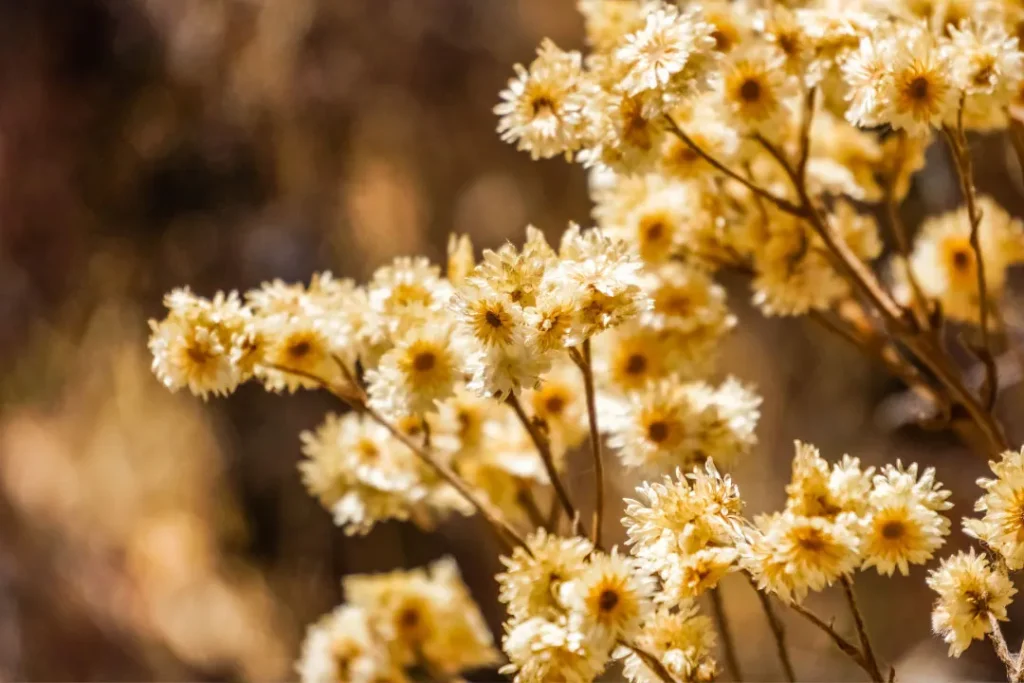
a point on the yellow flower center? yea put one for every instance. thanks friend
(750, 90)
(424, 361)
(893, 530)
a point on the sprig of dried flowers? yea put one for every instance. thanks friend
(725, 136)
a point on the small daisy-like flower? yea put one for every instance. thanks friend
(607, 22)
(658, 426)
(729, 414)
(755, 88)
(685, 300)
(560, 402)
(679, 161)
(553, 322)
(499, 371)
(780, 27)
(988, 68)
(654, 58)
(945, 265)
(790, 555)
(489, 317)
(603, 274)
(539, 650)
(1002, 526)
(689, 576)
(794, 270)
(919, 92)
(541, 110)
(900, 531)
(407, 283)
(459, 425)
(680, 516)
(425, 615)
(300, 352)
(422, 368)
(630, 357)
(531, 581)
(609, 599)
(342, 646)
(626, 139)
(516, 274)
(970, 590)
(820, 490)
(192, 346)
(684, 642)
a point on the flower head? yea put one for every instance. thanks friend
(970, 591)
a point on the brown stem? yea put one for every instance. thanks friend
(505, 532)
(957, 140)
(544, 450)
(779, 632)
(583, 360)
(782, 203)
(844, 645)
(805, 135)
(652, 661)
(1002, 649)
(923, 346)
(728, 644)
(862, 634)
(921, 307)
(527, 501)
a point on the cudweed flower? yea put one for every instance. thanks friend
(970, 590)
(610, 598)
(684, 642)
(945, 264)
(539, 649)
(342, 646)
(1001, 527)
(425, 615)
(542, 108)
(790, 555)
(530, 585)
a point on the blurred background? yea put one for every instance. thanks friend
(146, 144)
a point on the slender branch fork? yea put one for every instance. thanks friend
(924, 344)
(583, 360)
(652, 661)
(728, 644)
(778, 632)
(957, 140)
(862, 634)
(354, 396)
(543, 446)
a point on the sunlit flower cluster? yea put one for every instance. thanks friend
(840, 518)
(396, 621)
(769, 143)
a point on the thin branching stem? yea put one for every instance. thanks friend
(1002, 649)
(356, 400)
(957, 140)
(844, 645)
(543, 446)
(653, 662)
(584, 361)
(924, 346)
(728, 644)
(862, 634)
(779, 633)
(781, 202)
(805, 134)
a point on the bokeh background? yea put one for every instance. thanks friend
(146, 144)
